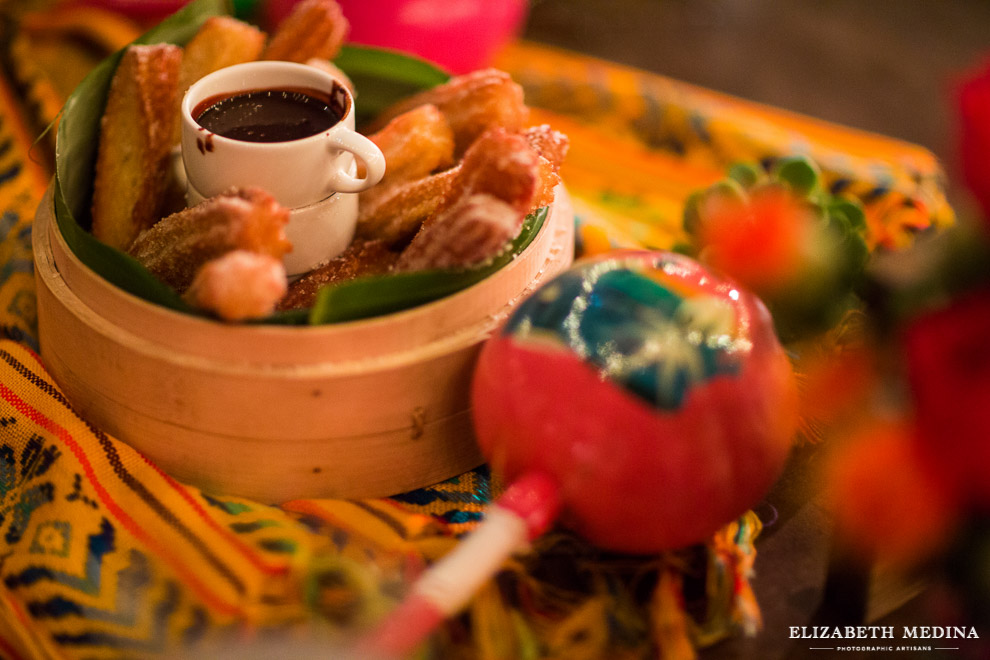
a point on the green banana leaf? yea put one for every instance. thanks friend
(381, 77)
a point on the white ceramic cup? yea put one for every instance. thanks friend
(313, 176)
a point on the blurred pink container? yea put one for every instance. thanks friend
(143, 11)
(458, 35)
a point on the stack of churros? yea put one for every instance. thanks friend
(463, 169)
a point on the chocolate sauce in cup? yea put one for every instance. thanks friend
(287, 128)
(271, 115)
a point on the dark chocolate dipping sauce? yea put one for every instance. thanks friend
(272, 115)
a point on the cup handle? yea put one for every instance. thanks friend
(365, 151)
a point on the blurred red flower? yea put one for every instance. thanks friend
(948, 356)
(974, 116)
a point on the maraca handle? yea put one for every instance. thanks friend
(522, 513)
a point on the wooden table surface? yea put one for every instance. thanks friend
(885, 67)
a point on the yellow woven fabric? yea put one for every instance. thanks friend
(105, 554)
(102, 555)
(654, 140)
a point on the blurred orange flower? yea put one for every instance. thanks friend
(760, 243)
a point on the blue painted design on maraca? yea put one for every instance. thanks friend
(638, 332)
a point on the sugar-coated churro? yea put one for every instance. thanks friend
(360, 258)
(398, 215)
(178, 245)
(473, 231)
(238, 285)
(220, 42)
(498, 163)
(415, 144)
(552, 145)
(472, 103)
(313, 29)
(137, 133)
(546, 182)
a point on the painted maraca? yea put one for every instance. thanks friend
(638, 399)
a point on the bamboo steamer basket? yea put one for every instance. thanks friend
(365, 408)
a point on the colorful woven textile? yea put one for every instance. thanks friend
(654, 140)
(102, 555)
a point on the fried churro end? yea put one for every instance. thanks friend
(137, 132)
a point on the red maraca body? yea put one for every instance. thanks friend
(655, 393)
